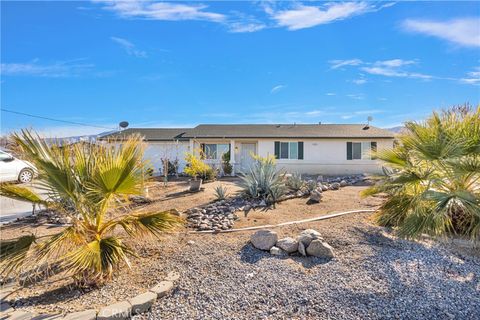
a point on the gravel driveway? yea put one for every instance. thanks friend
(374, 276)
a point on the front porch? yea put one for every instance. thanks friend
(218, 152)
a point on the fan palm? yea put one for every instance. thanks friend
(94, 179)
(432, 177)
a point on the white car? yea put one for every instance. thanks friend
(13, 169)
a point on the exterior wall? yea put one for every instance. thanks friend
(156, 151)
(325, 156)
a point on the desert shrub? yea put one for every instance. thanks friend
(311, 185)
(221, 192)
(263, 181)
(432, 176)
(196, 168)
(210, 174)
(95, 179)
(295, 182)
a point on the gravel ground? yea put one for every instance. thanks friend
(374, 276)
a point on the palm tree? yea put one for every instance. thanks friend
(93, 179)
(432, 177)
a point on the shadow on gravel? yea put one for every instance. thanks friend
(251, 255)
(411, 276)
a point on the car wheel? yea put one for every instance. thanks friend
(25, 176)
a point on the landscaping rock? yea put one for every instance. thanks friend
(162, 289)
(308, 235)
(301, 249)
(343, 183)
(315, 196)
(264, 239)
(143, 302)
(55, 317)
(320, 249)
(90, 314)
(335, 186)
(277, 251)
(119, 310)
(324, 187)
(288, 244)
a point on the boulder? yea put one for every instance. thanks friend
(320, 249)
(343, 183)
(324, 187)
(277, 251)
(288, 244)
(308, 235)
(264, 239)
(315, 196)
(335, 186)
(301, 249)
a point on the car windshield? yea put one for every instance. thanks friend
(4, 156)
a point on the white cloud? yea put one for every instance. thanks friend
(464, 31)
(359, 81)
(162, 10)
(473, 77)
(330, 94)
(129, 47)
(301, 16)
(394, 63)
(58, 69)
(278, 88)
(240, 27)
(335, 64)
(356, 96)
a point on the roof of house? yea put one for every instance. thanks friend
(150, 134)
(238, 131)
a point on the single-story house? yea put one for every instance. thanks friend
(329, 149)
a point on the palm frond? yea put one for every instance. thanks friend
(21, 193)
(14, 252)
(140, 225)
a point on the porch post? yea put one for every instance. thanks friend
(191, 146)
(232, 156)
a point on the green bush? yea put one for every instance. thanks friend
(432, 176)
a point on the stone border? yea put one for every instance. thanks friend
(120, 310)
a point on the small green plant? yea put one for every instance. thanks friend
(221, 192)
(295, 182)
(227, 167)
(263, 181)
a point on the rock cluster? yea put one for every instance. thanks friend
(219, 215)
(332, 184)
(308, 243)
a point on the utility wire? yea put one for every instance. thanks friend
(58, 120)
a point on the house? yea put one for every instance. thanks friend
(328, 149)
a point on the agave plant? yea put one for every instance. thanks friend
(295, 182)
(263, 181)
(221, 192)
(432, 177)
(95, 179)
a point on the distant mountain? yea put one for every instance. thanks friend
(75, 139)
(397, 129)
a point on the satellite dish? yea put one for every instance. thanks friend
(123, 124)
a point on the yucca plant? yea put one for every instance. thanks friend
(263, 181)
(432, 177)
(95, 179)
(221, 192)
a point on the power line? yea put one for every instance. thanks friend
(52, 119)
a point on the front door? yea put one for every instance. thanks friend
(246, 159)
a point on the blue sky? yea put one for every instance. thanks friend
(183, 63)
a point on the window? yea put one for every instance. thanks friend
(288, 150)
(361, 150)
(215, 151)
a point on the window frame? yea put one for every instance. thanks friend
(289, 149)
(366, 149)
(216, 153)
